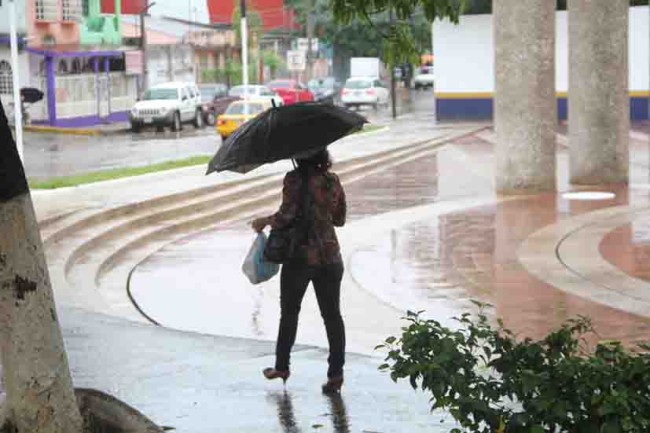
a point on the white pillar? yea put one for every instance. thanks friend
(15, 72)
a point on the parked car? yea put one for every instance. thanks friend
(424, 78)
(169, 104)
(291, 91)
(324, 89)
(256, 91)
(210, 94)
(358, 92)
(240, 112)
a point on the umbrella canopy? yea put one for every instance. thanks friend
(290, 131)
(31, 94)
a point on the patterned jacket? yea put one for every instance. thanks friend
(327, 210)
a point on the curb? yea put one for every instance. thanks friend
(73, 131)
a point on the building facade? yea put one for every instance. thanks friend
(7, 70)
(78, 64)
(465, 68)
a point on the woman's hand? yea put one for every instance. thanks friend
(259, 224)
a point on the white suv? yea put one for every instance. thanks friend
(169, 104)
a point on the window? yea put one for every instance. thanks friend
(47, 10)
(6, 79)
(71, 10)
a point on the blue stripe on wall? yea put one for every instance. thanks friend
(483, 109)
(639, 108)
(461, 109)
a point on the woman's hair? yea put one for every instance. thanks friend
(320, 161)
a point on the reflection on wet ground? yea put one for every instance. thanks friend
(337, 414)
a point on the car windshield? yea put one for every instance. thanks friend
(208, 93)
(320, 83)
(156, 94)
(426, 70)
(239, 91)
(280, 84)
(358, 84)
(236, 109)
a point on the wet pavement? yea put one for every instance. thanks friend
(53, 155)
(428, 234)
(200, 383)
(435, 263)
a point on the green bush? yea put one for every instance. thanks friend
(490, 382)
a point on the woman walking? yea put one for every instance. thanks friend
(317, 260)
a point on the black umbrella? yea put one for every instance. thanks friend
(31, 95)
(291, 131)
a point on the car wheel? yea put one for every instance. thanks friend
(136, 127)
(210, 118)
(176, 122)
(198, 119)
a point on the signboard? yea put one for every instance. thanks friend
(133, 62)
(303, 43)
(296, 60)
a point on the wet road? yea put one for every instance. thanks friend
(52, 155)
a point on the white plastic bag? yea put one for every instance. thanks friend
(255, 267)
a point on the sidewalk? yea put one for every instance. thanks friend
(95, 130)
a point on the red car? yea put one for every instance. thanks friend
(291, 91)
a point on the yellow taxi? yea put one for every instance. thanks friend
(236, 115)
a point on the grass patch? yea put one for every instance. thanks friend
(117, 173)
(370, 127)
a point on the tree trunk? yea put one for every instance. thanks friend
(40, 396)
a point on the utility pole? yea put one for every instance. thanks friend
(15, 72)
(143, 46)
(392, 74)
(310, 37)
(244, 52)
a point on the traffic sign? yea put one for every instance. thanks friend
(296, 60)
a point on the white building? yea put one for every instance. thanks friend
(7, 70)
(464, 65)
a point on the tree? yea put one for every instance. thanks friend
(398, 38)
(40, 397)
(359, 37)
(273, 61)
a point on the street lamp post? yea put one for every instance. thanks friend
(244, 53)
(15, 69)
(143, 43)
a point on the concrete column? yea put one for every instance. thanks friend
(599, 117)
(525, 104)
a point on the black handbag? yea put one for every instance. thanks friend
(283, 243)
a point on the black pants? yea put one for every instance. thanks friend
(327, 283)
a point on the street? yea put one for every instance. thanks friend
(51, 155)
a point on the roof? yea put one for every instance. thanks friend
(172, 85)
(154, 37)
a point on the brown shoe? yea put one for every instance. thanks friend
(333, 385)
(272, 373)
